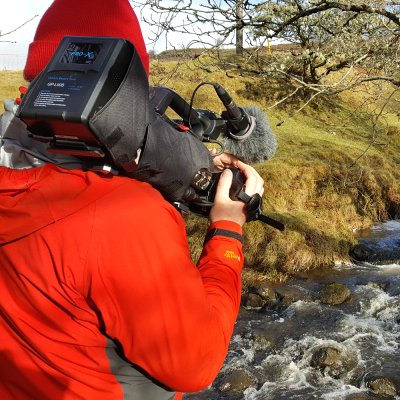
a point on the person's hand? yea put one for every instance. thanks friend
(226, 209)
(223, 160)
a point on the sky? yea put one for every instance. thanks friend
(13, 55)
(16, 13)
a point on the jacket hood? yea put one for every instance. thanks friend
(33, 198)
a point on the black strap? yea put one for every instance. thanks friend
(222, 232)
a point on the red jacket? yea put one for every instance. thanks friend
(88, 260)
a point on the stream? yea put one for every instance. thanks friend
(307, 349)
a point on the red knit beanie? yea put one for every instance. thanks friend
(114, 18)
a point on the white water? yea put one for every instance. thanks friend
(367, 334)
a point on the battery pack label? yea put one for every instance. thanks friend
(63, 90)
(47, 98)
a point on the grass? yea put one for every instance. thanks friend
(335, 171)
(10, 81)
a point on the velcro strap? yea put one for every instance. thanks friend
(223, 232)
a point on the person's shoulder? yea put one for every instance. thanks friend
(128, 187)
(131, 193)
(77, 188)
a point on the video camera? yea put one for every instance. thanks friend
(93, 101)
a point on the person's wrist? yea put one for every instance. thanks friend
(223, 232)
(236, 217)
(224, 228)
(226, 224)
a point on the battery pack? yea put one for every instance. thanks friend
(81, 77)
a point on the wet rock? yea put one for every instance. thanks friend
(236, 382)
(363, 252)
(382, 285)
(257, 298)
(287, 295)
(206, 394)
(359, 396)
(273, 370)
(263, 339)
(333, 361)
(380, 385)
(267, 293)
(325, 357)
(253, 301)
(377, 251)
(391, 371)
(334, 294)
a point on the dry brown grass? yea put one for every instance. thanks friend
(10, 81)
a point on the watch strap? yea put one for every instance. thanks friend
(222, 232)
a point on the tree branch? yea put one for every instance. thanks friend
(18, 27)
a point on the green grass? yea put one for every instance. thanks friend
(334, 172)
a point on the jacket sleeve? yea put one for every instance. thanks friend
(173, 319)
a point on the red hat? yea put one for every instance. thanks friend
(114, 18)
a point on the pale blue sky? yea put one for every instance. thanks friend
(15, 14)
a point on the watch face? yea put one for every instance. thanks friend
(80, 53)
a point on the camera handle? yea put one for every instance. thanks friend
(163, 98)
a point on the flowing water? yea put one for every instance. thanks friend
(276, 346)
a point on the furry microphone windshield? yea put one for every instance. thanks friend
(256, 147)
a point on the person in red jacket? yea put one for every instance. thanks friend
(99, 296)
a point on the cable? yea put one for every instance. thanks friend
(222, 149)
(192, 98)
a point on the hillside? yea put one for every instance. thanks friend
(335, 171)
(334, 174)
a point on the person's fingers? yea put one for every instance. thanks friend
(260, 186)
(224, 184)
(254, 182)
(224, 207)
(223, 160)
(228, 158)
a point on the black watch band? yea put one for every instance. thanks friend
(222, 232)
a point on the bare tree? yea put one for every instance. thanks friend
(239, 27)
(317, 39)
(319, 49)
